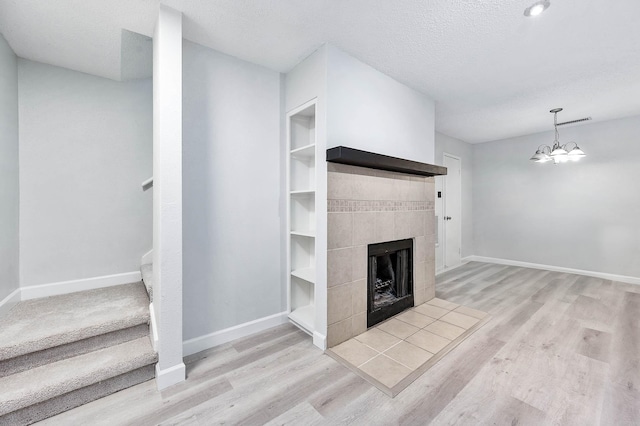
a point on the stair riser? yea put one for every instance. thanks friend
(37, 359)
(76, 398)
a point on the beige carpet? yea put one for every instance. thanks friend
(71, 317)
(60, 352)
(392, 354)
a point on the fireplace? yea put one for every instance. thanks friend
(389, 279)
(365, 207)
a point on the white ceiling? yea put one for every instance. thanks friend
(493, 73)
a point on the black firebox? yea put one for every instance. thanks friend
(390, 280)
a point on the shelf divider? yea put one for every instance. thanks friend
(303, 317)
(306, 274)
(308, 234)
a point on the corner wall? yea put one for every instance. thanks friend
(582, 216)
(85, 148)
(9, 174)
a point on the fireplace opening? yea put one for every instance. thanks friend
(390, 279)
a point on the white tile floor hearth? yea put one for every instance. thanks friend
(397, 351)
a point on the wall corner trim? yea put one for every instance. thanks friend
(320, 340)
(10, 301)
(170, 376)
(153, 328)
(604, 275)
(64, 287)
(198, 344)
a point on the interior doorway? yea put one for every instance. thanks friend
(450, 218)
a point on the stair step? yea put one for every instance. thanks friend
(58, 353)
(41, 324)
(147, 278)
(50, 389)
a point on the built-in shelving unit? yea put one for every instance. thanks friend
(301, 178)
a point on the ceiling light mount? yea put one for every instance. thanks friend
(557, 153)
(537, 8)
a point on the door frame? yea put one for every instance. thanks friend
(445, 213)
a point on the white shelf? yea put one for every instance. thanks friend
(301, 223)
(303, 317)
(304, 152)
(303, 192)
(307, 274)
(309, 234)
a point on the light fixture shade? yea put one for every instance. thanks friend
(576, 153)
(558, 152)
(540, 157)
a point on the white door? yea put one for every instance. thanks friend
(452, 211)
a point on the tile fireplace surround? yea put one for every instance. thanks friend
(367, 206)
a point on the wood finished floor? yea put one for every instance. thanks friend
(560, 349)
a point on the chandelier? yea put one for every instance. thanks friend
(557, 153)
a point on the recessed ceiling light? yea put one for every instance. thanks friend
(537, 8)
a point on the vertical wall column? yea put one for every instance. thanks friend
(167, 195)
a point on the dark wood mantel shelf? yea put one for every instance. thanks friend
(356, 157)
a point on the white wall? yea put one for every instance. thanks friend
(582, 215)
(85, 147)
(232, 180)
(464, 151)
(9, 186)
(369, 110)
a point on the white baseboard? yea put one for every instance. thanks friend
(147, 257)
(604, 275)
(170, 376)
(153, 329)
(64, 287)
(10, 301)
(320, 340)
(198, 344)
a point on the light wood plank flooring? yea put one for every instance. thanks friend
(560, 349)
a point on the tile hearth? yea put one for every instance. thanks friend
(394, 353)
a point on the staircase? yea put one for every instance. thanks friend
(60, 352)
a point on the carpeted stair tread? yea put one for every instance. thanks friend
(52, 380)
(80, 347)
(39, 324)
(147, 278)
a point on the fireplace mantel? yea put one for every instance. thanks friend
(356, 157)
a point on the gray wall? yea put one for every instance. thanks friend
(444, 143)
(85, 147)
(369, 110)
(581, 215)
(231, 178)
(9, 187)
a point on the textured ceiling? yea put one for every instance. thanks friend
(493, 73)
